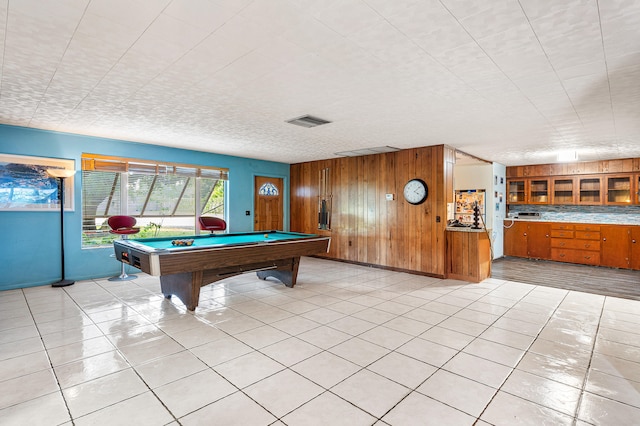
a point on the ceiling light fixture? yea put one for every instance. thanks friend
(566, 156)
(308, 121)
(366, 151)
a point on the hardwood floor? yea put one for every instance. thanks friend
(591, 279)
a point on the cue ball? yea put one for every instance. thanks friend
(266, 235)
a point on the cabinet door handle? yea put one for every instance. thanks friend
(562, 244)
(525, 234)
(633, 241)
(604, 239)
(587, 245)
(561, 254)
(546, 236)
(587, 257)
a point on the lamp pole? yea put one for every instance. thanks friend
(61, 174)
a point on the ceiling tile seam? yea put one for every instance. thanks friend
(546, 119)
(606, 66)
(75, 30)
(169, 65)
(551, 64)
(460, 79)
(64, 120)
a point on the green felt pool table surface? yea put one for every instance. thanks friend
(219, 240)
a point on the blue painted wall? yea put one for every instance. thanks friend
(30, 241)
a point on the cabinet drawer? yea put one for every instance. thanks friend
(576, 256)
(589, 228)
(562, 226)
(562, 254)
(555, 233)
(587, 257)
(565, 243)
(587, 235)
(588, 245)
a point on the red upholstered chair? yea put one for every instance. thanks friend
(210, 223)
(123, 226)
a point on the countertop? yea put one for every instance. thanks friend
(594, 221)
(464, 229)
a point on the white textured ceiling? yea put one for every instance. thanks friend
(511, 81)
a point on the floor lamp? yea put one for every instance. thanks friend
(61, 174)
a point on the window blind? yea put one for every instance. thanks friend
(103, 163)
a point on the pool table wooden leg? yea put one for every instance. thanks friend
(287, 273)
(186, 286)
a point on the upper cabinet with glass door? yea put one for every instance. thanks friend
(619, 189)
(539, 191)
(563, 190)
(516, 191)
(590, 190)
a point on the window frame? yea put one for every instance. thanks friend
(123, 169)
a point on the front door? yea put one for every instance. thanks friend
(268, 204)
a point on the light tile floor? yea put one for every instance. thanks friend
(348, 345)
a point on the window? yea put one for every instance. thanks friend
(268, 189)
(165, 198)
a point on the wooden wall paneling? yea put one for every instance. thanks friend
(445, 163)
(387, 233)
(427, 163)
(364, 180)
(374, 197)
(404, 171)
(342, 205)
(355, 207)
(388, 218)
(299, 196)
(310, 180)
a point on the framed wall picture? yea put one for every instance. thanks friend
(26, 185)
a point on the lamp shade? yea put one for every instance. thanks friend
(61, 173)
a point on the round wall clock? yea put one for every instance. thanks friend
(415, 191)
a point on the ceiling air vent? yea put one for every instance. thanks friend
(308, 121)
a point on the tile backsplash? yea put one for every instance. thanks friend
(628, 215)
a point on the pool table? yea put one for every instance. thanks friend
(213, 257)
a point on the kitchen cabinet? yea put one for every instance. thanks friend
(575, 243)
(527, 239)
(617, 166)
(583, 167)
(634, 258)
(590, 190)
(563, 190)
(619, 189)
(537, 170)
(516, 191)
(538, 191)
(607, 182)
(538, 243)
(528, 191)
(616, 246)
(515, 239)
